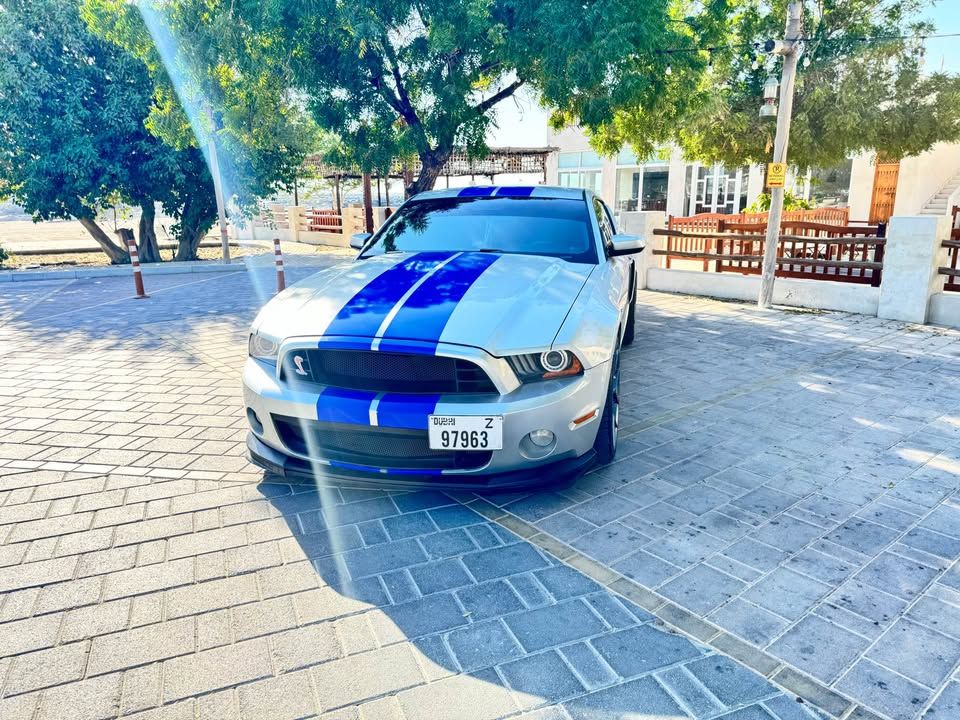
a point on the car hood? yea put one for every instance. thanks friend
(502, 303)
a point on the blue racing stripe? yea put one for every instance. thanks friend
(365, 311)
(340, 405)
(408, 347)
(515, 191)
(406, 411)
(339, 343)
(428, 309)
(476, 192)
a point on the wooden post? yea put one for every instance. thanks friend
(877, 275)
(126, 236)
(336, 194)
(278, 261)
(367, 204)
(386, 190)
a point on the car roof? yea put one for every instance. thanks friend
(476, 191)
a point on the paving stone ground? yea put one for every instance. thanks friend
(788, 478)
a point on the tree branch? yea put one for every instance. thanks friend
(498, 96)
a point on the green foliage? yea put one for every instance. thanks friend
(404, 78)
(854, 96)
(4, 255)
(72, 134)
(215, 76)
(790, 202)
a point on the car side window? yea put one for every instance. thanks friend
(603, 219)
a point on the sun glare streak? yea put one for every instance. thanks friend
(197, 105)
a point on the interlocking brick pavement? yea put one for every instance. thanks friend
(148, 571)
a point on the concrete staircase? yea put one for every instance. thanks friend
(937, 205)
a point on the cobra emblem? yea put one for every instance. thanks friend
(298, 361)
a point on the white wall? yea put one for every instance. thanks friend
(570, 139)
(945, 309)
(846, 297)
(922, 176)
(861, 185)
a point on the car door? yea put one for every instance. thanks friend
(618, 270)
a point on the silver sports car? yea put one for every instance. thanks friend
(474, 342)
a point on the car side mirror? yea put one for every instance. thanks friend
(626, 244)
(358, 240)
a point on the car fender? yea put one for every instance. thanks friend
(592, 327)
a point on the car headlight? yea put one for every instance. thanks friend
(545, 365)
(262, 348)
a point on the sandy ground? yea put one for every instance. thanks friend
(56, 234)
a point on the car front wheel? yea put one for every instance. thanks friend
(606, 443)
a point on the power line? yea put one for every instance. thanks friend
(819, 41)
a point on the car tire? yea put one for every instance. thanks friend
(605, 445)
(629, 330)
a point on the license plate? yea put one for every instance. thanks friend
(465, 432)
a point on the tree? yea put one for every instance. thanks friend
(214, 80)
(72, 134)
(852, 96)
(398, 78)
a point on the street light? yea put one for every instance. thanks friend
(769, 107)
(788, 49)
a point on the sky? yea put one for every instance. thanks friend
(523, 122)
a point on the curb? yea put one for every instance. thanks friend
(167, 268)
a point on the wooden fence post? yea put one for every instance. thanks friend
(877, 276)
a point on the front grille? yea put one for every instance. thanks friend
(377, 447)
(385, 371)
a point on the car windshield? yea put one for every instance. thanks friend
(558, 227)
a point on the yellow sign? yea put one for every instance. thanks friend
(776, 174)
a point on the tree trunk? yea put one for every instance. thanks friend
(192, 230)
(431, 165)
(147, 234)
(367, 204)
(117, 254)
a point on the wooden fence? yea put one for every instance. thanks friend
(317, 220)
(817, 251)
(952, 268)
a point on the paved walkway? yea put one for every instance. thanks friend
(146, 569)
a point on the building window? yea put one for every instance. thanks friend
(654, 196)
(628, 189)
(586, 179)
(714, 189)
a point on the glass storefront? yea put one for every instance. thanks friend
(580, 170)
(642, 188)
(714, 189)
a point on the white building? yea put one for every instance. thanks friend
(925, 184)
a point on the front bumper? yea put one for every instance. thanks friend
(291, 467)
(551, 404)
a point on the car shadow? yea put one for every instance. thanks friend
(496, 626)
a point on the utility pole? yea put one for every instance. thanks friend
(789, 48)
(218, 187)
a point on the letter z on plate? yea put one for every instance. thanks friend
(465, 432)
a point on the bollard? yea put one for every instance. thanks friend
(278, 260)
(127, 236)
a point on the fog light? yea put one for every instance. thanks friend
(541, 438)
